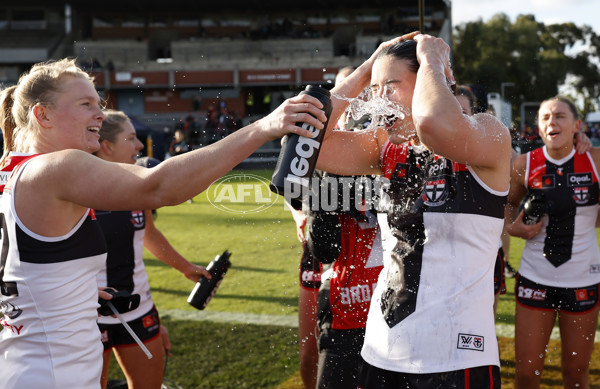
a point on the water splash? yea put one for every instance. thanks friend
(381, 111)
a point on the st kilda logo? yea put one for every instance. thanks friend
(137, 219)
(581, 195)
(437, 185)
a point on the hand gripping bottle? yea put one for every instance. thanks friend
(298, 155)
(205, 289)
(534, 208)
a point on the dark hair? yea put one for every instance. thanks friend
(462, 90)
(405, 50)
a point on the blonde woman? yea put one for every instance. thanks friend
(53, 246)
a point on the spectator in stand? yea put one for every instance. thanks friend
(179, 144)
(212, 125)
(96, 66)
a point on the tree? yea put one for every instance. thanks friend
(536, 58)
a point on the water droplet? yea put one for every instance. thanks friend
(537, 372)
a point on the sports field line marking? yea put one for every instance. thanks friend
(502, 330)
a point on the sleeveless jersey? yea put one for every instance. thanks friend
(49, 300)
(348, 283)
(124, 233)
(10, 163)
(565, 252)
(432, 309)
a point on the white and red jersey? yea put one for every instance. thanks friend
(565, 252)
(432, 310)
(348, 283)
(10, 163)
(49, 299)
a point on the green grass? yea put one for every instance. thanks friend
(211, 355)
(263, 279)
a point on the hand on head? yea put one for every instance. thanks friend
(435, 53)
(390, 42)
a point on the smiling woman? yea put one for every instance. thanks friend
(53, 244)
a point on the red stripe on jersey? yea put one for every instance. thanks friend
(537, 168)
(583, 164)
(393, 154)
(459, 167)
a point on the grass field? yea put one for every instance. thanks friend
(246, 337)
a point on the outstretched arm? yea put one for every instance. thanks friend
(158, 245)
(98, 184)
(480, 141)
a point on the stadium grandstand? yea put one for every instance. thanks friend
(177, 63)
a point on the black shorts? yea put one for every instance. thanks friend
(499, 280)
(146, 327)
(550, 298)
(339, 358)
(310, 270)
(482, 377)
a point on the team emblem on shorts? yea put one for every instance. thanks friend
(531, 294)
(581, 194)
(470, 342)
(137, 218)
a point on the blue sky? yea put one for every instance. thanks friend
(579, 12)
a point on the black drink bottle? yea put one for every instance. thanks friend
(298, 155)
(534, 208)
(205, 289)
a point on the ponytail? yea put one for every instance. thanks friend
(7, 121)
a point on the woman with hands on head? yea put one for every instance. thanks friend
(559, 272)
(53, 245)
(431, 321)
(126, 234)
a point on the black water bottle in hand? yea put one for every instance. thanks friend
(298, 155)
(534, 208)
(205, 289)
